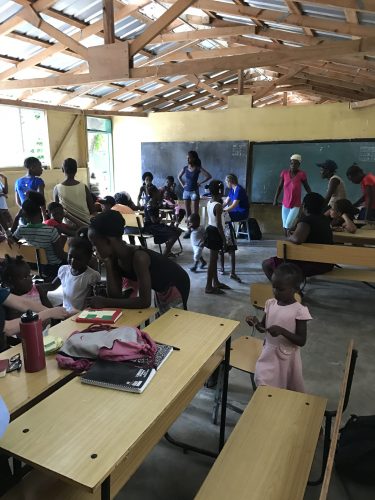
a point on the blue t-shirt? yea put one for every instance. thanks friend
(238, 193)
(25, 184)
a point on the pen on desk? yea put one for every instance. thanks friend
(170, 345)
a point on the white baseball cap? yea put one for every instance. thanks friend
(296, 157)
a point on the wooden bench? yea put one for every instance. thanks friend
(331, 438)
(30, 254)
(271, 449)
(261, 292)
(361, 257)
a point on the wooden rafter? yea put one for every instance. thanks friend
(159, 25)
(108, 21)
(339, 69)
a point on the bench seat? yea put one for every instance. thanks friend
(271, 449)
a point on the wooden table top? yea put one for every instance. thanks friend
(82, 432)
(270, 451)
(360, 237)
(20, 389)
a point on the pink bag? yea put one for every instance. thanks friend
(105, 342)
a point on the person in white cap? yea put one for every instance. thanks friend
(291, 181)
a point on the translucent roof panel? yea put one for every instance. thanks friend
(17, 48)
(8, 9)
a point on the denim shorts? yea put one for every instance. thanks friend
(190, 195)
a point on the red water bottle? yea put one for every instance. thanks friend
(32, 342)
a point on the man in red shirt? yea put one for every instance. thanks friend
(367, 181)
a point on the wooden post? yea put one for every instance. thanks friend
(108, 22)
(285, 98)
(240, 82)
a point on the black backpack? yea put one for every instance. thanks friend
(355, 455)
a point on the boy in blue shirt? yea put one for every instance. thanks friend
(31, 182)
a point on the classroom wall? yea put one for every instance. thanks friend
(275, 123)
(65, 140)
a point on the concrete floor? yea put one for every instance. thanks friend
(341, 311)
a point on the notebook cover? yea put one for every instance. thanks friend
(125, 376)
(99, 316)
(122, 376)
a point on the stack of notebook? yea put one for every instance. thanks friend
(125, 376)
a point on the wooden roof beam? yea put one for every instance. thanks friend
(268, 15)
(294, 8)
(86, 32)
(108, 21)
(147, 95)
(159, 25)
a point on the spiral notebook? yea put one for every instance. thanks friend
(125, 376)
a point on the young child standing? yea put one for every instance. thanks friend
(31, 182)
(285, 325)
(76, 278)
(215, 238)
(197, 236)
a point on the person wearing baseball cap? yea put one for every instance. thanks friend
(291, 181)
(336, 187)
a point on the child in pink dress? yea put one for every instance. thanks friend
(285, 325)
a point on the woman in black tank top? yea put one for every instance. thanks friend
(149, 269)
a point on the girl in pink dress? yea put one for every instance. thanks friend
(285, 326)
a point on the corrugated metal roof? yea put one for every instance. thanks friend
(89, 11)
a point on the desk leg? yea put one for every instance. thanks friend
(187, 447)
(225, 394)
(106, 489)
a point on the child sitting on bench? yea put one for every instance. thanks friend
(285, 325)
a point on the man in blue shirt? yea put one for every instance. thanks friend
(31, 182)
(237, 201)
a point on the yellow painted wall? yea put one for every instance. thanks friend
(276, 123)
(59, 123)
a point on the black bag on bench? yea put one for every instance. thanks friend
(355, 455)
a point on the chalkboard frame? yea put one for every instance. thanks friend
(249, 177)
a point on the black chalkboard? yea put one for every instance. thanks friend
(219, 158)
(268, 159)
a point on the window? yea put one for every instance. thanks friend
(24, 133)
(99, 138)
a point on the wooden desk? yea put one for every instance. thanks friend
(21, 390)
(361, 237)
(86, 434)
(269, 454)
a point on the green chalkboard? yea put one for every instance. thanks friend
(268, 159)
(218, 157)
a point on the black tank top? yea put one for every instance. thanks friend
(165, 273)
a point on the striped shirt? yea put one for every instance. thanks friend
(40, 236)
